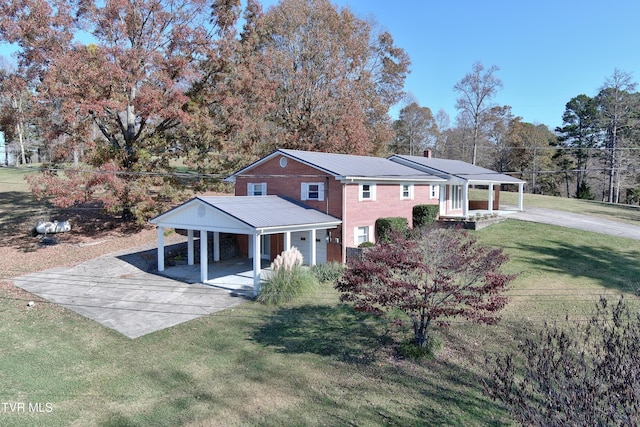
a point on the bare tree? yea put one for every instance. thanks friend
(476, 90)
(616, 104)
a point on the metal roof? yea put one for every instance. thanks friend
(268, 211)
(457, 168)
(262, 212)
(349, 166)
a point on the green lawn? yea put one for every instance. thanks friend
(314, 362)
(625, 213)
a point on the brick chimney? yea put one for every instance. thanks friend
(427, 154)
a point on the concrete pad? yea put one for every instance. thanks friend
(122, 291)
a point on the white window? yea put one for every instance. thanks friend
(435, 191)
(367, 192)
(312, 191)
(361, 235)
(257, 189)
(406, 192)
(456, 197)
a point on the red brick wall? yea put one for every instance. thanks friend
(387, 203)
(287, 182)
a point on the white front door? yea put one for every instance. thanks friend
(443, 200)
(265, 246)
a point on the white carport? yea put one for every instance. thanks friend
(252, 216)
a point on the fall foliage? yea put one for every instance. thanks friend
(126, 88)
(434, 277)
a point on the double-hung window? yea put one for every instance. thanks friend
(406, 191)
(312, 191)
(361, 235)
(257, 189)
(367, 192)
(435, 191)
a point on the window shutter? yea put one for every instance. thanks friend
(321, 191)
(304, 191)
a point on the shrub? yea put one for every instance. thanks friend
(328, 272)
(386, 226)
(425, 215)
(581, 374)
(288, 279)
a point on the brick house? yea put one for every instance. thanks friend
(324, 203)
(360, 189)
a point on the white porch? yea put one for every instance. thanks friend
(252, 216)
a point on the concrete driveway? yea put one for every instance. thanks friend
(578, 221)
(123, 291)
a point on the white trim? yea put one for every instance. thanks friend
(304, 191)
(251, 189)
(434, 192)
(409, 190)
(372, 192)
(356, 234)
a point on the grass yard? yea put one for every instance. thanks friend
(314, 362)
(625, 213)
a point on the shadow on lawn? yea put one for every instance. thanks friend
(611, 267)
(336, 331)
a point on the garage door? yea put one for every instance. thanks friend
(301, 241)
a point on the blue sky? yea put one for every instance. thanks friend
(548, 51)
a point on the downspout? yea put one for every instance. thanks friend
(343, 248)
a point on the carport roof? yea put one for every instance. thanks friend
(256, 212)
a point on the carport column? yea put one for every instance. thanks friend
(521, 196)
(465, 199)
(204, 257)
(257, 266)
(490, 203)
(287, 240)
(216, 246)
(160, 248)
(312, 247)
(190, 247)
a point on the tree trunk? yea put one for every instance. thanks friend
(421, 330)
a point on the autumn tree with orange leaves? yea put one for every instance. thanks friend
(123, 87)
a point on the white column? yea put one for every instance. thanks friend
(465, 199)
(204, 258)
(490, 204)
(287, 240)
(312, 247)
(216, 246)
(257, 267)
(190, 247)
(160, 248)
(521, 196)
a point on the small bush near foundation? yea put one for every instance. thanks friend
(328, 272)
(424, 215)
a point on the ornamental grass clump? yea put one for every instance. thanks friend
(287, 280)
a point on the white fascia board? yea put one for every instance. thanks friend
(182, 226)
(295, 228)
(403, 180)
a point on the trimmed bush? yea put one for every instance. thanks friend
(386, 226)
(425, 215)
